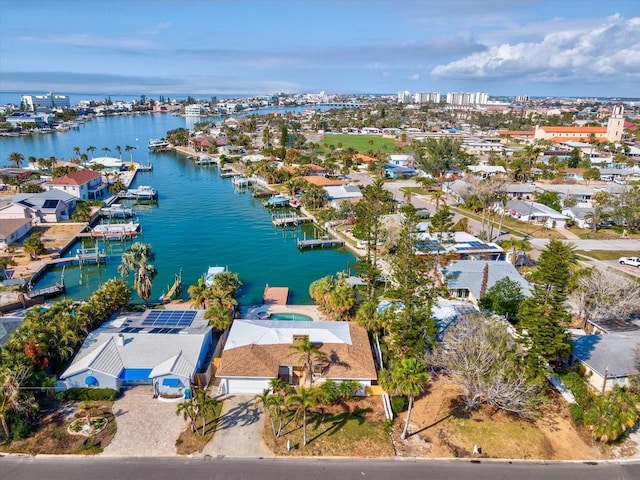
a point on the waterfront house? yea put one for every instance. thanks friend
(258, 350)
(83, 184)
(460, 245)
(338, 194)
(51, 206)
(12, 230)
(168, 349)
(464, 278)
(110, 164)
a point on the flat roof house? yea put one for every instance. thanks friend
(258, 350)
(163, 348)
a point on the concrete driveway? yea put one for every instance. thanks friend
(239, 432)
(147, 427)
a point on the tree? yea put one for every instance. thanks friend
(16, 158)
(91, 149)
(441, 155)
(481, 355)
(542, 318)
(612, 414)
(309, 352)
(517, 246)
(33, 246)
(441, 229)
(129, 148)
(503, 298)
(407, 377)
(11, 399)
(590, 174)
(137, 260)
(199, 293)
(599, 215)
(550, 199)
(303, 400)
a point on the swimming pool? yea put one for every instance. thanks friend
(292, 317)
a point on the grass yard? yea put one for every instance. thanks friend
(355, 429)
(607, 254)
(360, 143)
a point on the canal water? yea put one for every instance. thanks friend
(200, 219)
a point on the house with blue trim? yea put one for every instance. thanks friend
(167, 349)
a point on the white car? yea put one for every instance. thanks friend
(631, 261)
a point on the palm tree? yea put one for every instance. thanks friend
(76, 150)
(105, 150)
(309, 351)
(129, 148)
(516, 245)
(136, 259)
(199, 294)
(266, 400)
(119, 150)
(304, 399)
(407, 377)
(91, 149)
(16, 158)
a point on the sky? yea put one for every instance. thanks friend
(588, 48)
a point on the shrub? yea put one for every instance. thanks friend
(20, 427)
(397, 404)
(577, 413)
(84, 394)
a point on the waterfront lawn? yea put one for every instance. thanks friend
(189, 442)
(360, 143)
(356, 428)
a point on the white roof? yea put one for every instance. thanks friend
(109, 162)
(276, 332)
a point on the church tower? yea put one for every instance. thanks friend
(615, 125)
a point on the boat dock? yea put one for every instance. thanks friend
(44, 293)
(83, 255)
(229, 174)
(289, 219)
(275, 295)
(326, 242)
(204, 160)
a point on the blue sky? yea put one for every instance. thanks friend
(502, 47)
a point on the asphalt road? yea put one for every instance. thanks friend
(97, 468)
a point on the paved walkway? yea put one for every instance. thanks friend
(147, 427)
(239, 432)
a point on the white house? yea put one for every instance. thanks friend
(163, 348)
(83, 184)
(401, 160)
(258, 350)
(533, 212)
(51, 206)
(12, 230)
(341, 193)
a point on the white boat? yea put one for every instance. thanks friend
(117, 211)
(113, 231)
(155, 144)
(143, 192)
(277, 201)
(241, 181)
(212, 272)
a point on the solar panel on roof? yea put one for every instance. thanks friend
(50, 204)
(169, 318)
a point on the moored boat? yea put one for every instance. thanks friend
(117, 211)
(212, 272)
(143, 192)
(277, 201)
(113, 231)
(156, 144)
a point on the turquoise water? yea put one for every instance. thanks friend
(293, 317)
(199, 220)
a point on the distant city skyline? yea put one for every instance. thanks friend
(585, 48)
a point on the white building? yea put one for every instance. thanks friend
(426, 97)
(404, 97)
(472, 98)
(45, 103)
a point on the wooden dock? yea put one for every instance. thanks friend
(83, 255)
(320, 243)
(275, 295)
(54, 291)
(289, 220)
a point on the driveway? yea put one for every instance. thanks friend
(147, 427)
(239, 432)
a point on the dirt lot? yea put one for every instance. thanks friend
(438, 432)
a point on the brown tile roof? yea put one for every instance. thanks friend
(344, 361)
(364, 158)
(323, 181)
(576, 130)
(75, 178)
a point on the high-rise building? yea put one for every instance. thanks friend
(404, 97)
(45, 103)
(468, 98)
(426, 97)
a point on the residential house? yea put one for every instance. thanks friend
(257, 351)
(464, 278)
(12, 230)
(405, 160)
(580, 193)
(83, 184)
(580, 216)
(110, 164)
(167, 349)
(609, 359)
(485, 171)
(533, 212)
(459, 245)
(45, 207)
(342, 193)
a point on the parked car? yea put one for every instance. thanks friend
(631, 261)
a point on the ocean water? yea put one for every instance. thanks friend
(199, 220)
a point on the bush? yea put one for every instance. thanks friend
(19, 427)
(579, 388)
(577, 413)
(84, 394)
(397, 404)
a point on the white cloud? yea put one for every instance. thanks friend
(609, 49)
(415, 76)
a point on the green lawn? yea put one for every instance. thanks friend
(607, 254)
(360, 143)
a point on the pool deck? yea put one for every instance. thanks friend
(258, 312)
